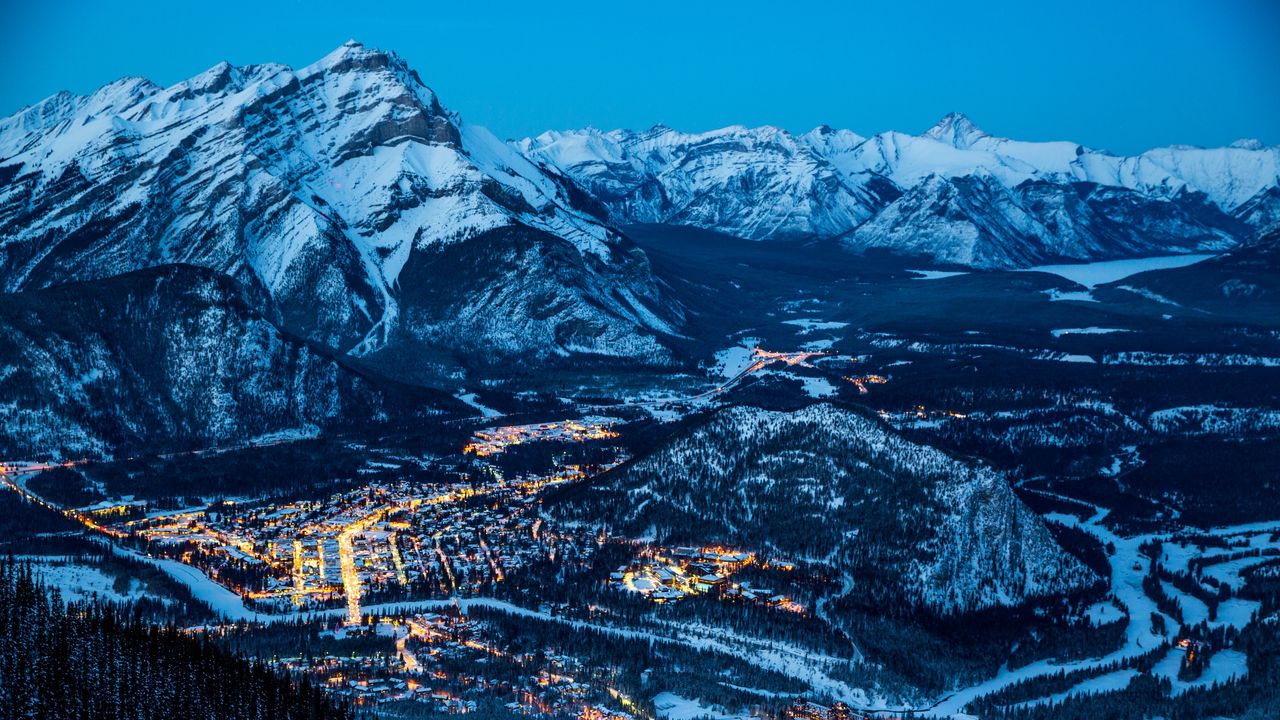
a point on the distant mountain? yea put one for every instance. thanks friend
(952, 194)
(979, 221)
(902, 521)
(164, 358)
(955, 147)
(367, 216)
(760, 183)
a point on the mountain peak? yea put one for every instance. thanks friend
(957, 130)
(1248, 144)
(353, 54)
(828, 139)
(353, 48)
(381, 178)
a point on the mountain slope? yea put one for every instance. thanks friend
(163, 358)
(903, 521)
(317, 186)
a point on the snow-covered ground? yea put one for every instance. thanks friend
(283, 436)
(1149, 294)
(670, 706)
(1223, 666)
(1093, 274)
(663, 414)
(81, 582)
(732, 361)
(1236, 612)
(1213, 419)
(1228, 573)
(935, 274)
(808, 325)
(1085, 331)
(816, 345)
(1104, 612)
(1077, 295)
(1065, 357)
(817, 387)
(223, 601)
(473, 400)
(1109, 682)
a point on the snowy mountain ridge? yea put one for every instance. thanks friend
(885, 190)
(319, 187)
(756, 182)
(955, 147)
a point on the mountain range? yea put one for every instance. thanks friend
(953, 194)
(344, 205)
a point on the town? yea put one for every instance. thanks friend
(453, 664)
(390, 540)
(424, 540)
(861, 382)
(398, 571)
(495, 440)
(667, 575)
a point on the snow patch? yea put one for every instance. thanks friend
(936, 274)
(1093, 274)
(1086, 331)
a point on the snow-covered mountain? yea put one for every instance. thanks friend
(902, 521)
(978, 220)
(343, 193)
(756, 183)
(956, 147)
(161, 358)
(953, 193)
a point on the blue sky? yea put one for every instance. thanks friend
(1116, 74)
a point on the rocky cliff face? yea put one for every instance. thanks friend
(336, 192)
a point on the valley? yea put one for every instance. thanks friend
(458, 546)
(301, 371)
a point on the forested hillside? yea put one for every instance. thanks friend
(830, 485)
(85, 660)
